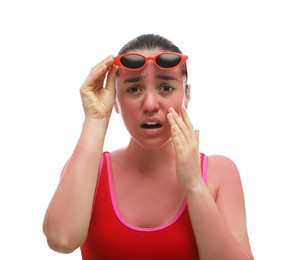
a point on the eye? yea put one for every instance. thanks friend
(134, 90)
(166, 88)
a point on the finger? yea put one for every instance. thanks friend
(111, 78)
(194, 134)
(177, 141)
(178, 138)
(186, 119)
(181, 124)
(108, 62)
(96, 77)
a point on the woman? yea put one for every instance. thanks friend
(158, 197)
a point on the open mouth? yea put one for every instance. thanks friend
(151, 125)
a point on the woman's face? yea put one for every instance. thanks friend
(143, 98)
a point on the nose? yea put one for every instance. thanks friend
(151, 103)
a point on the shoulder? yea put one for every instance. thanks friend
(222, 174)
(222, 165)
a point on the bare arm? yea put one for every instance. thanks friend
(219, 223)
(68, 215)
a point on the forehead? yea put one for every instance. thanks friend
(147, 52)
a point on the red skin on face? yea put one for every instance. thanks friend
(144, 96)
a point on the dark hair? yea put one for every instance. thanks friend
(150, 42)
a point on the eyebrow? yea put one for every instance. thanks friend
(165, 77)
(132, 80)
(136, 79)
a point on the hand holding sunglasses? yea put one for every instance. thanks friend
(163, 60)
(98, 95)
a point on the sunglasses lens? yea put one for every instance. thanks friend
(132, 61)
(168, 60)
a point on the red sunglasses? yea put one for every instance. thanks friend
(163, 60)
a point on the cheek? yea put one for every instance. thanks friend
(176, 102)
(125, 106)
(127, 109)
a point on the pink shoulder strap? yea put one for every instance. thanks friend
(204, 160)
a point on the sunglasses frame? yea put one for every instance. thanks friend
(117, 60)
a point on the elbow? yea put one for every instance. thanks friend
(62, 243)
(61, 246)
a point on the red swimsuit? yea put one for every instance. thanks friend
(110, 237)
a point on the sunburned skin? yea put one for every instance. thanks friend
(143, 98)
(151, 177)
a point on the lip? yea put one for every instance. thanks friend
(150, 122)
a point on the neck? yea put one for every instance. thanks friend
(151, 159)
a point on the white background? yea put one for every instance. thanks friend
(238, 66)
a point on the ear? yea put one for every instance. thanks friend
(187, 95)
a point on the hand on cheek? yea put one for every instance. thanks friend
(186, 145)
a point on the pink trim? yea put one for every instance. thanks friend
(116, 210)
(204, 168)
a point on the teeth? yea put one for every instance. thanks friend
(151, 125)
